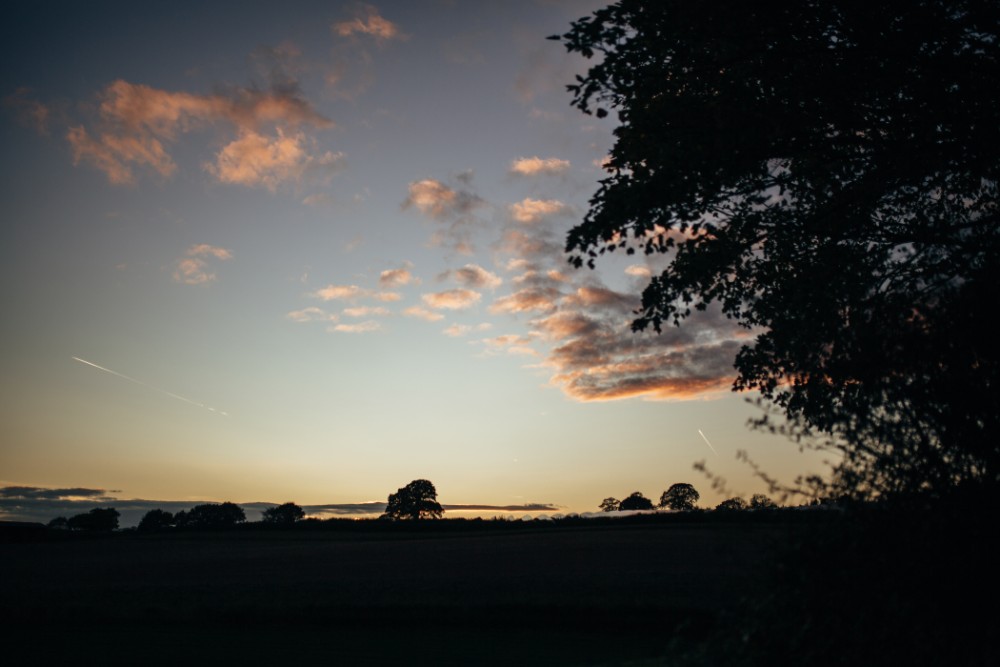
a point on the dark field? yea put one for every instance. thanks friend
(550, 595)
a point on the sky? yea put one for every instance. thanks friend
(314, 251)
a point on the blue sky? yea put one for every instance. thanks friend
(316, 252)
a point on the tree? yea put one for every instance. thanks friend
(416, 500)
(759, 501)
(286, 514)
(210, 515)
(731, 505)
(155, 520)
(636, 501)
(610, 505)
(58, 523)
(97, 520)
(679, 497)
(825, 174)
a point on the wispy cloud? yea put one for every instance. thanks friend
(530, 211)
(363, 327)
(193, 268)
(458, 330)
(527, 300)
(452, 208)
(311, 314)
(422, 313)
(256, 160)
(341, 293)
(396, 278)
(366, 20)
(366, 311)
(474, 276)
(29, 111)
(532, 166)
(453, 299)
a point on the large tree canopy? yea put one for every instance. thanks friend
(825, 172)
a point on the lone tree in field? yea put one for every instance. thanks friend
(610, 505)
(285, 514)
(416, 500)
(679, 497)
(636, 501)
(825, 174)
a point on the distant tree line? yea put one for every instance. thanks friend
(683, 497)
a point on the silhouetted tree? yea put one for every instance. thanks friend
(825, 173)
(610, 505)
(636, 501)
(679, 497)
(58, 523)
(759, 501)
(731, 505)
(155, 520)
(285, 514)
(416, 500)
(97, 520)
(210, 515)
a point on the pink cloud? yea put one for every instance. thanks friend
(193, 268)
(423, 314)
(454, 299)
(530, 299)
(368, 21)
(530, 211)
(531, 166)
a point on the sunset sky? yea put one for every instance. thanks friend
(313, 251)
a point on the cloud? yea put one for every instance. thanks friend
(367, 21)
(41, 493)
(530, 299)
(340, 292)
(528, 507)
(311, 314)
(255, 160)
(638, 271)
(363, 327)
(193, 268)
(453, 209)
(532, 166)
(423, 314)
(386, 296)
(396, 278)
(458, 330)
(137, 123)
(366, 311)
(530, 211)
(454, 299)
(29, 111)
(474, 276)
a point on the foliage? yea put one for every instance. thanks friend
(97, 520)
(58, 523)
(735, 504)
(680, 497)
(210, 515)
(285, 514)
(825, 174)
(416, 500)
(610, 505)
(636, 501)
(155, 520)
(759, 501)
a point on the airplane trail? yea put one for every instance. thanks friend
(707, 442)
(149, 386)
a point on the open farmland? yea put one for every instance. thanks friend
(552, 594)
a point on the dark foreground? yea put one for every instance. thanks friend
(600, 594)
(865, 589)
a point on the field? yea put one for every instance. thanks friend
(611, 593)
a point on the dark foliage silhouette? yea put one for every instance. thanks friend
(58, 523)
(680, 496)
(759, 501)
(636, 501)
(210, 515)
(732, 505)
(285, 514)
(416, 500)
(97, 520)
(610, 505)
(156, 519)
(825, 174)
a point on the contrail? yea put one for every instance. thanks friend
(149, 386)
(707, 442)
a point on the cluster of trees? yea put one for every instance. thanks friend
(217, 515)
(679, 496)
(758, 501)
(97, 520)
